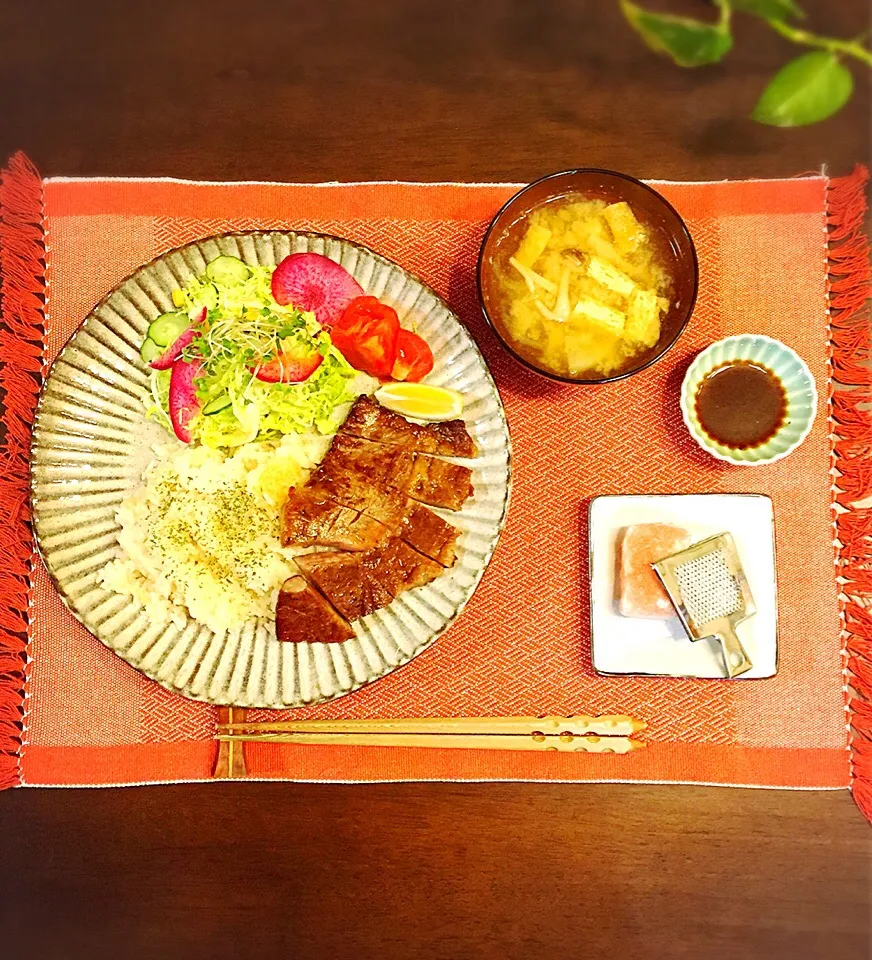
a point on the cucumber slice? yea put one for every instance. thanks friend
(168, 328)
(217, 405)
(227, 271)
(208, 296)
(150, 350)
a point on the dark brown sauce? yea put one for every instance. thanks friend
(741, 404)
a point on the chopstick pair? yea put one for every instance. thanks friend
(610, 733)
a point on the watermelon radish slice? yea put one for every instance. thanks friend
(174, 350)
(183, 401)
(315, 284)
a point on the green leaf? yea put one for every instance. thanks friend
(770, 9)
(806, 90)
(690, 43)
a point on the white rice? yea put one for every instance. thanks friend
(200, 537)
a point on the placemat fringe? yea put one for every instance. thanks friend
(849, 290)
(22, 267)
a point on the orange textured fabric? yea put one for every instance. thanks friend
(92, 719)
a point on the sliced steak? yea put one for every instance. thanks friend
(398, 567)
(380, 464)
(304, 616)
(440, 483)
(309, 520)
(357, 491)
(429, 534)
(357, 531)
(347, 580)
(370, 420)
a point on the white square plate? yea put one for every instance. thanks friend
(661, 647)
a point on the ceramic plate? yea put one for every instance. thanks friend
(91, 442)
(661, 647)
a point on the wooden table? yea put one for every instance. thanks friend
(435, 89)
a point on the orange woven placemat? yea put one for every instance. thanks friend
(523, 645)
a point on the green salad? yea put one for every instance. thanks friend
(256, 369)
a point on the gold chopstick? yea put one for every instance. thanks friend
(565, 742)
(607, 725)
(609, 733)
(230, 761)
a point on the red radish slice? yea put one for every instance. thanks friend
(174, 350)
(314, 283)
(286, 368)
(183, 401)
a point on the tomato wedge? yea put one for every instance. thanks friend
(366, 335)
(414, 357)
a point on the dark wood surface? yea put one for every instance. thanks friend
(497, 89)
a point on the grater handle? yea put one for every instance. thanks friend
(735, 658)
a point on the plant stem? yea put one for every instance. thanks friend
(850, 48)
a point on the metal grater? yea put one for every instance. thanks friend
(710, 593)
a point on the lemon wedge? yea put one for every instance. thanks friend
(421, 401)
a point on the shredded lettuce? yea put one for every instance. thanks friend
(246, 328)
(231, 427)
(277, 409)
(160, 393)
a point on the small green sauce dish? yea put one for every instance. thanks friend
(786, 365)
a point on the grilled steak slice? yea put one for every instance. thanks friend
(440, 483)
(349, 489)
(308, 520)
(347, 580)
(369, 419)
(345, 476)
(429, 534)
(398, 567)
(354, 490)
(305, 519)
(304, 616)
(382, 464)
(388, 508)
(360, 532)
